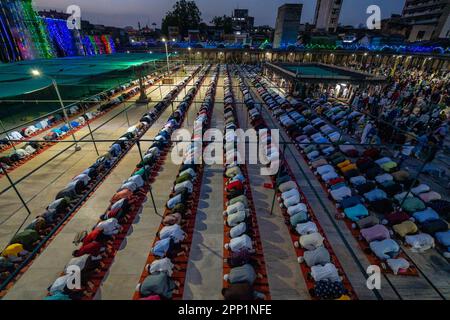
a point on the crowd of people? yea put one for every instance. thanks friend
(244, 268)
(368, 186)
(69, 199)
(325, 275)
(58, 127)
(96, 248)
(412, 106)
(165, 272)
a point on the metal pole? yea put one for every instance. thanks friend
(17, 191)
(167, 57)
(138, 143)
(414, 182)
(55, 85)
(7, 136)
(92, 135)
(126, 116)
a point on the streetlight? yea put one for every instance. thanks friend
(167, 54)
(189, 50)
(37, 73)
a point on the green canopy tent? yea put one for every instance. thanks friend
(77, 78)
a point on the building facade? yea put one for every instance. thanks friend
(23, 33)
(287, 25)
(327, 15)
(428, 19)
(242, 22)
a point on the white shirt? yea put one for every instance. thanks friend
(420, 242)
(235, 207)
(137, 179)
(185, 184)
(326, 272)
(241, 243)
(162, 265)
(109, 227)
(299, 207)
(287, 186)
(311, 241)
(83, 177)
(238, 230)
(174, 232)
(306, 228)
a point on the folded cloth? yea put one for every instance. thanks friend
(376, 233)
(397, 265)
(405, 228)
(420, 242)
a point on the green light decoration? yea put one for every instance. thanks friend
(37, 31)
(263, 45)
(94, 44)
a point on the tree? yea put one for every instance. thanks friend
(224, 22)
(185, 15)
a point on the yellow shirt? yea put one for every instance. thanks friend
(344, 297)
(13, 250)
(344, 164)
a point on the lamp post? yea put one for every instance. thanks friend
(189, 53)
(37, 73)
(167, 54)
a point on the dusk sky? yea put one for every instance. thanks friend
(124, 13)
